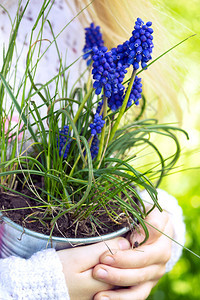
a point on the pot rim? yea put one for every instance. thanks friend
(42, 236)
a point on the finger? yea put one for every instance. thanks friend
(156, 222)
(90, 285)
(85, 285)
(140, 292)
(86, 257)
(128, 277)
(145, 255)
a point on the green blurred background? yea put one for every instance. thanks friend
(182, 18)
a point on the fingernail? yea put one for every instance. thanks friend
(104, 298)
(124, 244)
(101, 273)
(108, 260)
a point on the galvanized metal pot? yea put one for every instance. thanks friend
(19, 241)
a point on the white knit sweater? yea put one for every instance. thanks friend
(37, 278)
(41, 276)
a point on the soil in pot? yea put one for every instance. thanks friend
(25, 211)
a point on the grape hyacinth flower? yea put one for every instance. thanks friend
(93, 38)
(103, 70)
(137, 50)
(136, 91)
(116, 99)
(97, 124)
(99, 107)
(109, 69)
(64, 141)
(94, 149)
(106, 73)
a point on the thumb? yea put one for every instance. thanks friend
(156, 222)
(86, 257)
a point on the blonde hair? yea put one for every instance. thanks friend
(116, 19)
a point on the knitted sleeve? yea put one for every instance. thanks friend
(170, 204)
(37, 278)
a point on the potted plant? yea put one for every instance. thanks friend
(72, 180)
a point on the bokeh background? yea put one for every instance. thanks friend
(182, 18)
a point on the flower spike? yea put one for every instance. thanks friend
(93, 38)
(64, 141)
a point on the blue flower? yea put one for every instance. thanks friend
(99, 107)
(103, 71)
(64, 141)
(94, 149)
(110, 67)
(137, 50)
(97, 124)
(136, 92)
(107, 74)
(93, 38)
(116, 99)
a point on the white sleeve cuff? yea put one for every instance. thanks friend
(37, 278)
(170, 204)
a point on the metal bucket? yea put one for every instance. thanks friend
(19, 241)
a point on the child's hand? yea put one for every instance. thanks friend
(137, 269)
(78, 264)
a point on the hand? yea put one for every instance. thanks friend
(137, 269)
(78, 265)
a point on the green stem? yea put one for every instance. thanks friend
(82, 105)
(48, 168)
(123, 108)
(89, 144)
(74, 166)
(101, 144)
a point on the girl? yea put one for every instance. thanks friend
(89, 272)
